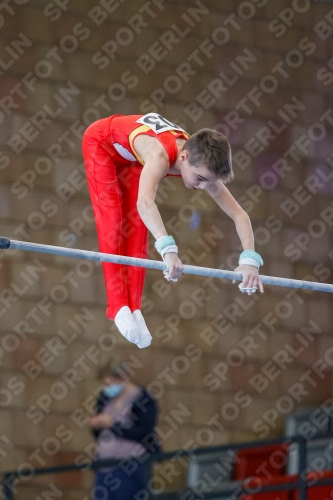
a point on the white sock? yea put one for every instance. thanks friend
(127, 326)
(145, 338)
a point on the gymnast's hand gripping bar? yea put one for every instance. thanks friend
(155, 264)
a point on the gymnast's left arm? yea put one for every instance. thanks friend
(231, 207)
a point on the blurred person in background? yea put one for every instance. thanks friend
(123, 425)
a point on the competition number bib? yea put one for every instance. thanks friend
(158, 123)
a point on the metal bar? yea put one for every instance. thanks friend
(303, 487)
(161, 456)
(321, 482)
(6, 243)
(158, 457)
(8, 486)
(67, 467)
(300, 482)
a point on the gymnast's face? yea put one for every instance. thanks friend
(195, 177)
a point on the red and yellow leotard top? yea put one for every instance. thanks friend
(124, 129)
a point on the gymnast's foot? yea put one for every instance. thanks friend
(145, 337)
(127, 326)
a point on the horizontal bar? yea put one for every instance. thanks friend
(157, 457)
(154, 264)
(163, 456)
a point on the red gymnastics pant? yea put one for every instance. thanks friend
(114, 193)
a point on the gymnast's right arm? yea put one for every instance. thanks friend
(155, 168)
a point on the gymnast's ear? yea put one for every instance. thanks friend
(184, 155)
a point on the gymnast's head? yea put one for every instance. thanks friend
(206, 157)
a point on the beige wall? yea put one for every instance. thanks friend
(262, 81)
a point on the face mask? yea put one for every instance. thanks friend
(113, 390)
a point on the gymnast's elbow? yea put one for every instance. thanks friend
(240, 216)
(144, 204)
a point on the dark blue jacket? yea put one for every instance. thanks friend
(144, 413)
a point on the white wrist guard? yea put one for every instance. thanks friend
(249, 262)
(169, 249)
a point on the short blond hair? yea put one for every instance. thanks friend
(112, 367)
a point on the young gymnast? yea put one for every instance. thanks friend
(126, 157)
